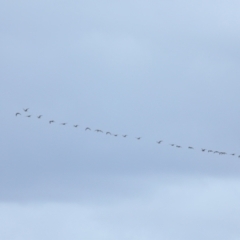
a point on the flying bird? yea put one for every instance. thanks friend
(172, 145)
(233, 154)
(98, 130)
(190, 147)
(75, 126)
(25, 109)
(203, 150)
(159, 142)
(28, 116)
(222, 153)
(178, 146)
(17, 114)
(115, 135)
(87, 129)
(39, 116)
(124, 135)
(138, 138)
(52, 121)
(108, 133)
(210, 151)
(63, 123)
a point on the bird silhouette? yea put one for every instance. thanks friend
(28, 116)
(115, 135)
(210, 151)
(17, 114)
(63, 123)
(51, 121)
(190, 147)
(138, 138)
(178, 146)
(39, 116)
(75, 126)
(216, 152)
(108, 133)
(87, 129)
(159, 142)
(233, 154)
(203, 150)
(98, 130)
(124, 135)
(25, 109)
(172, 145)
(222, 153)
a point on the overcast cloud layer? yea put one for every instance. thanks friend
(160, 70)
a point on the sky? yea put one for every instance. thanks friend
(159, 70)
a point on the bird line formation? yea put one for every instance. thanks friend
(125, 135)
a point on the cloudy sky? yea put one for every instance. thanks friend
(160, 70)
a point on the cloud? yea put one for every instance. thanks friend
(157, 70)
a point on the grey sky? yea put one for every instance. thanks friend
(162, 70)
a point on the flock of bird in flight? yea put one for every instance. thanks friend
(138, 138)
